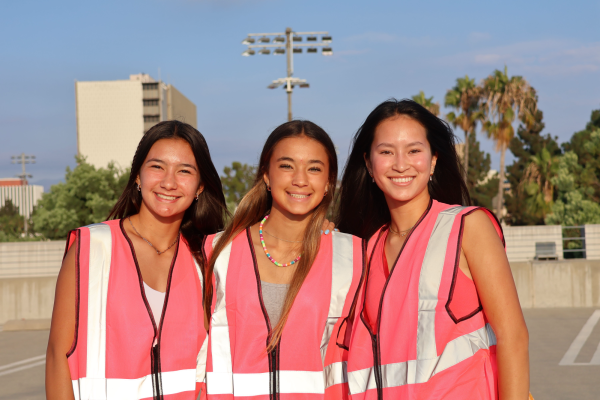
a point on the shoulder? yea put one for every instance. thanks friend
(481, 227)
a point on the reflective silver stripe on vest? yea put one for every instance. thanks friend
(99, 271)
(173, 382)
(429, 283)
(220, 380)
(410, 372)
(341, 279)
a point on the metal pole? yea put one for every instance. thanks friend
(290, 71)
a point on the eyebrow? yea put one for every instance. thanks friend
(292, 160)
(158, 160)
(385, 144)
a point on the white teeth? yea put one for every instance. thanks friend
(162, 196)
(299, 196)
(403, 180)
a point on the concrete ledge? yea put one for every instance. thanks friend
(26, 325)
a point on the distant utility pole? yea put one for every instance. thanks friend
(23, 159)
(293, 44)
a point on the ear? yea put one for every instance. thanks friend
(138, 181)
(266, 179)
(200, 188)
(433, 163)
(368, 164)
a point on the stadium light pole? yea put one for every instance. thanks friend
(23, 159)
(293, 44)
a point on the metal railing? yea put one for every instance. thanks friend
(573, 245)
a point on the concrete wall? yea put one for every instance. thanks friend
(592, 242)
(26, 298)
(25, 259)
(180, 107)
(549, 284)
(520, 240)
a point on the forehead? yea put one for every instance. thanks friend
(400, 129)
(300, 148)
(172, 150)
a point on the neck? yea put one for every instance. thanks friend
(160, 231)
(405, 214)
(285, 225)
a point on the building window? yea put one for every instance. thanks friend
(150, 103)
(150, 86)
(151, 118)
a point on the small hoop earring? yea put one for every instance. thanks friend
(197, 194)
(325, 193)
(430, 178)
(268, 188)
(139, 187)
(373, 179)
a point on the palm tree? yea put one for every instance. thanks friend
(505, 98)
(537, 183)
(464, 97)
(428, 103)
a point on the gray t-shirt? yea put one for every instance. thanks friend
(273, 295)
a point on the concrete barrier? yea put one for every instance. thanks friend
(592, 242)
(26, 298)
(521, 240)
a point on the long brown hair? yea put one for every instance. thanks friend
(257, 203)
(204, 216)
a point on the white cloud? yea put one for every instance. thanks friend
(546, 57)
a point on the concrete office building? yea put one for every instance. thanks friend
(112, 116)
(21, 194)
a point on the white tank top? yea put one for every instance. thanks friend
(156, 300)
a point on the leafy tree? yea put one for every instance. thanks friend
(86, 197)
(464, 97)
(482, 187)
(573, 206)
(537, 183)
(527, 143)
(11, 222)
(428, 103)
(237, 181)
(505, 99)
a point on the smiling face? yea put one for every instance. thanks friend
(169, 178)
(298, 175)
(400, 159)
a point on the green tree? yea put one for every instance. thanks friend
(11, 222)
(482, 187)
(573, 206)
(537, 183)
(428, 103)
(237, 181)
(86, 197)
(528, 142)
(505, 98)
(464, 98)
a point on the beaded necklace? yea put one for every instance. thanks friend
(262, 241)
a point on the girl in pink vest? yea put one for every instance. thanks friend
(128, 319)
(280, 287)
(438, 315)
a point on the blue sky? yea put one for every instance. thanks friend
(382, 49)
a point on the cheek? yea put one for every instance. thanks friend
(381, 164)
(422, 163)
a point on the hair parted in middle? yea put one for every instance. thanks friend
(362, 208)
(256, 204)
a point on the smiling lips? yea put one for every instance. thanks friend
(404, 179)
(299, 196)
(165, 197)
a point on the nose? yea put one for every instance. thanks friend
(401, 162)
(169, 182)
(300, 178)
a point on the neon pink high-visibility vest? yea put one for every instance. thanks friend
(425, 345)
(306, 364)
(113, 356)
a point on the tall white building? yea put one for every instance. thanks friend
(23, 196)
(112, 116)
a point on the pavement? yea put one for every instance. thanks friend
(564, 354)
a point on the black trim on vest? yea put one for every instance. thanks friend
(156, 369)
(273, 356)
(456, 266)
(77, 234)
(375, 337)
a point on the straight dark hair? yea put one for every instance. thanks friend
(362, 207)
(257, 203)
(204, 216)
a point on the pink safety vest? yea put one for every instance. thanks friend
(425, 347)
(113, 356)
(306, 363)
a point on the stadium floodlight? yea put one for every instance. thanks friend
(288, 43)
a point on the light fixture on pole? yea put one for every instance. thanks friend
(24, 206)
(293, 45)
